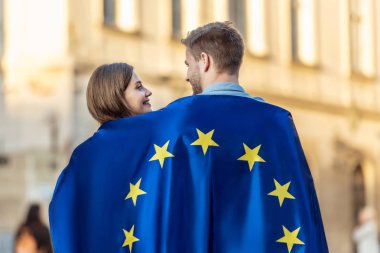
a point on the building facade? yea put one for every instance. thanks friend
(317, 58)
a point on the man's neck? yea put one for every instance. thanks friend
(221, 78)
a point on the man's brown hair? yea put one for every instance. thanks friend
(105, 91)
(220, 40)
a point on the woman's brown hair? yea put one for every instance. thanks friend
(105, 91)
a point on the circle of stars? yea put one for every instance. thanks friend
(205, 141)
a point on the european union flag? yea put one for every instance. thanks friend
(207, 173)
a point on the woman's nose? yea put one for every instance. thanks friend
(148, 93)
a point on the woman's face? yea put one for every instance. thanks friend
(137, 96)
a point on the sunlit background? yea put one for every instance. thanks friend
(317, 58)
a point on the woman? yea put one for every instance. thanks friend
(116, 91)
(33, 235)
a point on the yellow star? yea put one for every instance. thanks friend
(161, 153)
(290, 238)
(281, 192)
(134, 192)
(251, 156)
(205, 140)
(130, 238)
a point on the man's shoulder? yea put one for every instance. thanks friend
(223, 102)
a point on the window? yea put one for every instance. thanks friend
(256, 33)
(237, 14)
(186, 16)
(220, 10)
(2, 95)
(109, 12)
(122, 14)
(362, 37)
(303, 32)
(176, 18)
(1, 27)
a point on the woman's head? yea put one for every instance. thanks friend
(33, 216)
(115, 91)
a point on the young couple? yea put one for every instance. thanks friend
(218, 172)
(214, 54)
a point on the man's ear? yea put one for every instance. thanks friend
(206, 61)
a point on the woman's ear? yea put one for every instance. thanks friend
(205, 61)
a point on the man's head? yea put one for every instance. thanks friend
(212, 50)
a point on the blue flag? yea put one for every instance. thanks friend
(207, 173)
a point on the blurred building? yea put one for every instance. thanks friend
(317, 58)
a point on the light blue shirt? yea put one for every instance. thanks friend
(226, 88)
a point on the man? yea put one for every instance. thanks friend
(214, 54)
(219, 172)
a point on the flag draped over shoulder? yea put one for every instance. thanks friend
(216, 174)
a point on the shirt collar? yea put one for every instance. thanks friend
(223, 86)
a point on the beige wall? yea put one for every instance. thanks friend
(50, 53)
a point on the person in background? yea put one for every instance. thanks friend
(365, 234)
(33, 235)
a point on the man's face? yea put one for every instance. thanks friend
(193, 73)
